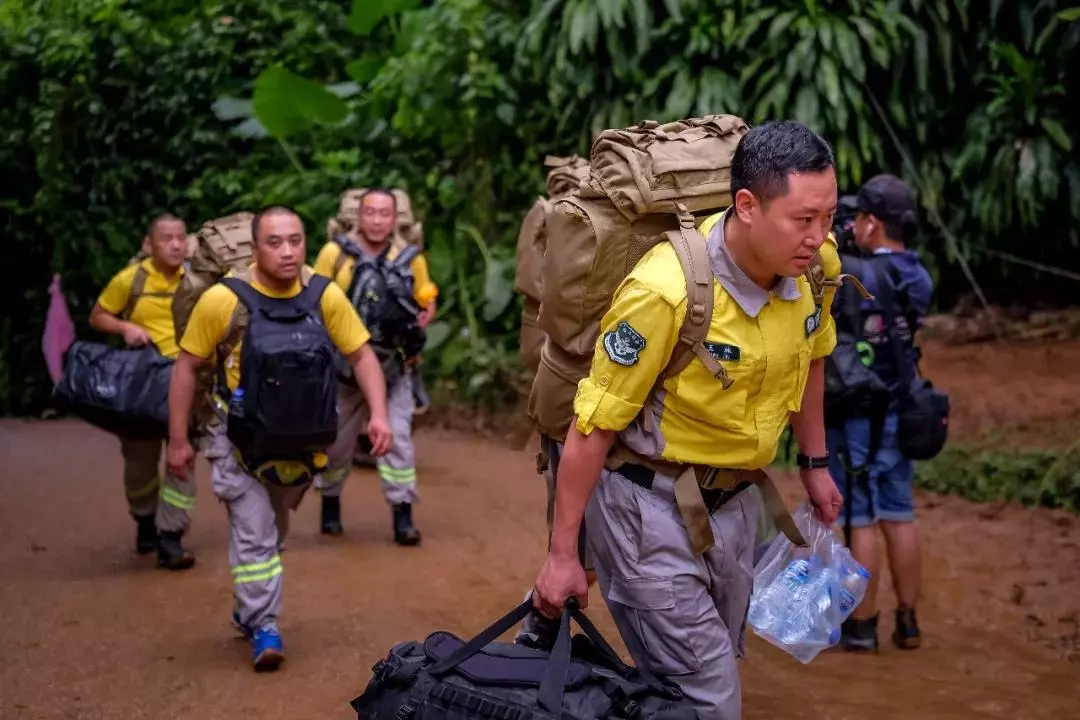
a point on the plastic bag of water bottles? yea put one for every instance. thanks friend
(802, 595)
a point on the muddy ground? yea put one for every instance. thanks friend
(90, 631)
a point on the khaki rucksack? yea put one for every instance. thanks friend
(409, 230)
(567, 175)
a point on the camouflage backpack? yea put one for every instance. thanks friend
(409, 231)
(567, 174)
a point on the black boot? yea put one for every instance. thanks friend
(331, 516)
(859, 635)
(146, 535)
(906, 635)
(171, 554)
(405, 533)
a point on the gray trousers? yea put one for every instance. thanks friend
(686, 612)
(258, 522)
(167, 497)
(397, 468)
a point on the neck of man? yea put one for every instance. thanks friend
(887, 243)
(270, 282)
(737, 238)
(168, 271)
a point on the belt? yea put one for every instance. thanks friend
(714, 498)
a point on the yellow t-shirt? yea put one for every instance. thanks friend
(153, 310)
(693, 419)
(212, 313)
(424, 288)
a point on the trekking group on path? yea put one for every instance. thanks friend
(690, 291)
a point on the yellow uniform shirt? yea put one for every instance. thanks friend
(764, 340)
(153, 310)
(424, 289)
(212, 313)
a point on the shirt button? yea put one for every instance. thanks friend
(604, 381)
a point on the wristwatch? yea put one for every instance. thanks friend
(812, 463)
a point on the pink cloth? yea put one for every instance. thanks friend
(59, 331)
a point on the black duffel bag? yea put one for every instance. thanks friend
(121, 391)
(446, 678)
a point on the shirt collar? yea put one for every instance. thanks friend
(148, 265)
(750, 296)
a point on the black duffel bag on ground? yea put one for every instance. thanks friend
(121, 391)
(445, 678)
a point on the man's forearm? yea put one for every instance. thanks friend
(809, 423)
(106, 322)
(181, 394)
(580, 466)
(370, 378)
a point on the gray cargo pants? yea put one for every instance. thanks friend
(258, 522)
(397, 468)
(687, 612)
(168, 498)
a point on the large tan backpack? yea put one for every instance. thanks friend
(567, 174)
(409, 230)
(646, 185)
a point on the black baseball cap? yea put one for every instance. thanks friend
(889, 199)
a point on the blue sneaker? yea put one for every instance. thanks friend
(267, 650)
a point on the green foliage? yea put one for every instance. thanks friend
(1044, 479)
(115, 110)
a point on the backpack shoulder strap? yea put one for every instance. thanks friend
(690, 247)
(138, 286)
(889, 305)
(243, 290)
(311, 296)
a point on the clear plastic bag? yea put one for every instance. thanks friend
(802, 595)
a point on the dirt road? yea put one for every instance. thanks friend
(89, 631)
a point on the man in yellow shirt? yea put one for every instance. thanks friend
(272, 332)
(350, 263)
(137, 305)
(682, 613)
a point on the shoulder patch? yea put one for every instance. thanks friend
(724, 351)
(813, 321)
(624, 344)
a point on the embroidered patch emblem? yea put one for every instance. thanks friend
(723, 351)
(813, 321)
(624, 344)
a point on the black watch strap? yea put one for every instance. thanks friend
(812, 463)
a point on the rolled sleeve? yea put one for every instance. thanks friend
(636, 339)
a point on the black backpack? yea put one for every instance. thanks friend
(287, 404)
(923, 425)
(446, 678)
(382, 293)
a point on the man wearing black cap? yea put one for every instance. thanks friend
(880, 491)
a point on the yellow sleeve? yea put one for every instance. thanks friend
(424, 288)
(324, 263)
(209, 321)
(636, 339)
(346, 329)
(114, 297)
(825, 338)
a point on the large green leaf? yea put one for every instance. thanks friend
(286, 103)
(1057, 133)
(498, 289)
(1069, 15)
(364, 69)
(366, 14)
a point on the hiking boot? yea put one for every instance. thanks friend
(171, 554)
(267, 650)
(859, 635)
(146, 535)
(538, 632)
(405, 533)
(331, 516)
(906, 635)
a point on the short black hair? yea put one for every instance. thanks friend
(768, 153)
(265, 211)
(163, 217)
(378, 191)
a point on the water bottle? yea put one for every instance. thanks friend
(852, 581)
(769, 608)
(236, 404)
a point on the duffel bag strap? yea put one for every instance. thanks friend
(482, 640)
